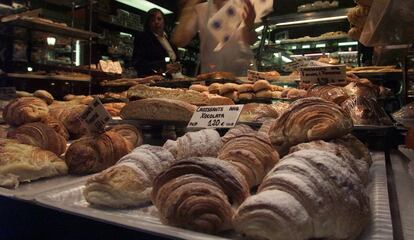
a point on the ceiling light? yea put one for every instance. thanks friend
(144, 5)
(51, 41)
(327, 19)
(305, 46)
(321, 45)
(347, 43)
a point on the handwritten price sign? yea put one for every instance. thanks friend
(215, 117)
(95, 117)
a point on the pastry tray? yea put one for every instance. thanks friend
(69, 199)
(27, 190)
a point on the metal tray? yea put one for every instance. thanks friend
(28, 191)
(145, 218)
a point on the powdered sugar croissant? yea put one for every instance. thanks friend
(309, 119)
(198, 194)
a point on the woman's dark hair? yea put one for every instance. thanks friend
(150, 15)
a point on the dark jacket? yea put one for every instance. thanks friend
(149, 54)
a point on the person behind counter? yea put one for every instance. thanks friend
(152, 49)
(236, 55)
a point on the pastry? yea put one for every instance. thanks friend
(217, 100)
(21, 94)
(25, 110)
(25, 163)
(261, 85)
(158, 109)
(114, 108)
(130, 133)
(39, 135)
(252, 154)
(198, 194)
(129, 182)
(57, 125)
(264, 94)
(215, 88)
(311, 194)
(238, 130)
(296, 93)
(328, 92)
(257, 112)
(366, 111)
(246, 88)
(309, 119)
(246, 96)
(228, 88)
(358, 15)
(69, 115)
(232, 95)
(4, 129)
(94, 154)
(362, 89)
(199, 88)
(204, 143)
(44, 95)
(171, 146)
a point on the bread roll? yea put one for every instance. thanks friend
(94, 154)
(25, 163)
(296, 93)
(129, 182)
(130, 133)
(246, 96)
(215, 88)
(228, 88)
(25, 110)
(264, 94)
(232, 95)
(158, 109)
(21, 94)
(44, 95)
(309, 119)
(199, 88)
(198, 194)
(246, 88)
(217, 100)
(39, 135)
(261, 85)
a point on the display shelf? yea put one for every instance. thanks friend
(119, 27)
(48, 77)
(51, 28)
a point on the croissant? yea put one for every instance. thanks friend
(310, 194)
(328, 92)
(239, 129)
(309, 119)
(25, 163)
(198, 194)
(69, 115)
(204, 143)
(129, 182)
(365, 111)
(39, 135)
(94, 154)
(57, 125)
(25, 110)
(129, 132)
(252, 154)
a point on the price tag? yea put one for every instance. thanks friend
(8, 93)
(215, 116)
(323, 75)
(95, 117)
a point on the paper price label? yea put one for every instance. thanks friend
(8, 93)
(323, 75)
(215, 116)
(95, 117)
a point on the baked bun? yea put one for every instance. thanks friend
(261, 85)
(199, 88)
(246, 88)
(25, 110)
(246, 96)
(215, 88)
(228, 88)
(232, 95)
(264, 94)
(217, 100)
(44, 95)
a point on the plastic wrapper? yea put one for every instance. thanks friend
(388, 23)
(328, 92)
(366, 111)
(405, 115)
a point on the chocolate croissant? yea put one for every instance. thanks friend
(252, 154)
(25, 110)
(309, 119)
(39, 135)
(25, 163)
(198, 194)
(310, 194)
(69, 115)
(129, 182)
(94, 154)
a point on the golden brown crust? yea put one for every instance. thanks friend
(129, 132)
(44, 95)
(215, 88)
(58, 126)
(328, 92)
(114, 108)
(199, 88)
(25, 110)
(246, 88)
(69, 115)
(261, 85)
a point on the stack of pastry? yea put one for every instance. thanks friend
(129, 182)
(199, 194)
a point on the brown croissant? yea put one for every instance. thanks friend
(252, 154)
(309, 119)
(94, 154)
(39, 135)
(328, 92)
(69, 115)
(239, 129)
(198, 194)
(25, 110)
(57, 125)
(24, 163)
(310, 194)
(129, 132)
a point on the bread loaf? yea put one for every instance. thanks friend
(158, 109)
(94, 154)
(246, 96)
(25, 110)
(129, 182)
(309, 119)
(311, 194)
(25, 163)
(198, 194)
(39, 135)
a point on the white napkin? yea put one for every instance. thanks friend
(228, 20)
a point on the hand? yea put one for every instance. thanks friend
(173, 67)
(248, 14)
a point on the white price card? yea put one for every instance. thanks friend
(95, 116)
(8, 93)
(323, 74)
(215, 116)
